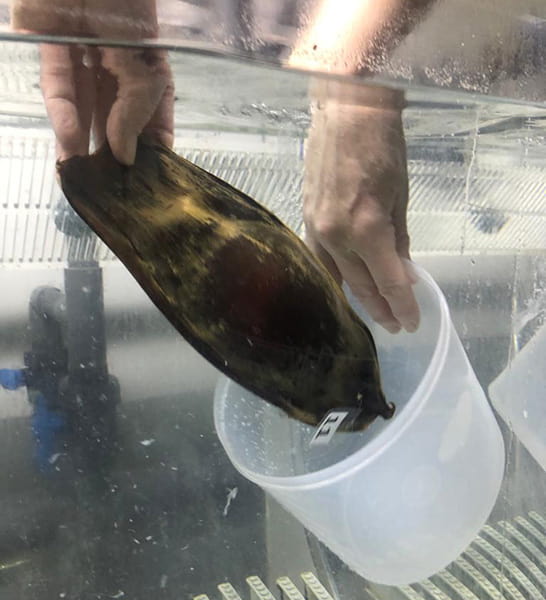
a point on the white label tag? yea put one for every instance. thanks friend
(328, 426)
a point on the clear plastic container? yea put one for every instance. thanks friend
(519, 395)
(402, 499)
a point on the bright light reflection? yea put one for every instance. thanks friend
(336, 20)
(340, 33)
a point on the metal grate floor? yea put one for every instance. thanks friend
(506, 561)
(287, 590)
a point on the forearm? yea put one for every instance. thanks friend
(346, 36)
(113, 19)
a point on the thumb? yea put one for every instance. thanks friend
(143, 76)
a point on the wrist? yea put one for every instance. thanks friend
(324, 92)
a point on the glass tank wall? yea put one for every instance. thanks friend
(130, 494)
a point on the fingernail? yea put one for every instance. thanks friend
(391, 326)
(411, 326)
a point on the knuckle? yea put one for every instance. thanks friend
(384, 179)
(372, 225)
(391, 288)
(365, 291)
(326, 227)
(162, 71)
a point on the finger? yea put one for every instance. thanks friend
(107, 88)
(359, 279)
(143, 77)
(161, 126)
(68, 90)
(402, 240)
(377, 248)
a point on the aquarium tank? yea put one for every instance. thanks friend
(114, 480)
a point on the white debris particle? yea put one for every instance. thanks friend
(147, 442)
(120, 594)
(163, 581)
(149, 538)
(231, 495)
(52, 460)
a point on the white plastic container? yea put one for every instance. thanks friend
(402, 499)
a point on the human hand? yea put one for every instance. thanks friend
(356, 197)
(117, 93)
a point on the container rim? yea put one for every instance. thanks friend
(384, 440)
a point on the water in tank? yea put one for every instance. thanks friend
(113, 481)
